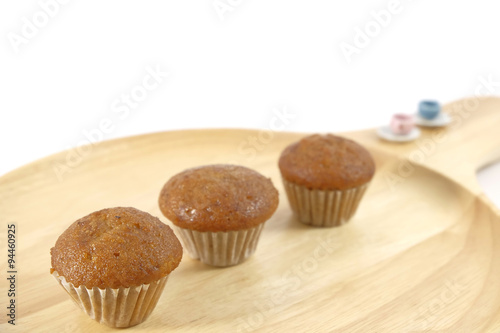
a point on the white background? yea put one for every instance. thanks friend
(231, 66)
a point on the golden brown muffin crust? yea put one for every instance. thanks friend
(116, 247)
(218, 198)
(326, 162)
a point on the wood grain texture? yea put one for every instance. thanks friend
(421, 254)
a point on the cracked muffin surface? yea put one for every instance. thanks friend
(116, 247)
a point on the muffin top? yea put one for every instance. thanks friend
(116, 247)
(326, 162)
(218, 198)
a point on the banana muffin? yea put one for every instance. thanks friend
(325, 177)
(115, 262)
(219, 211)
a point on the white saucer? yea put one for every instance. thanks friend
(385, 133)
(442, 119)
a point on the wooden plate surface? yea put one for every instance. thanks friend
(421, 254)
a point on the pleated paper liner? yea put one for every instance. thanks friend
(122, 307)
(221, 248)
(322, 208)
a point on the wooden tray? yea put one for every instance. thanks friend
(421, 254)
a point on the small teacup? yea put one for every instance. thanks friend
(429, 109)
(402, 124)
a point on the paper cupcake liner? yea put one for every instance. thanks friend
(221, 248)
(323, 208)
(122, 307)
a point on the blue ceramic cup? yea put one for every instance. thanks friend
(429, 109)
